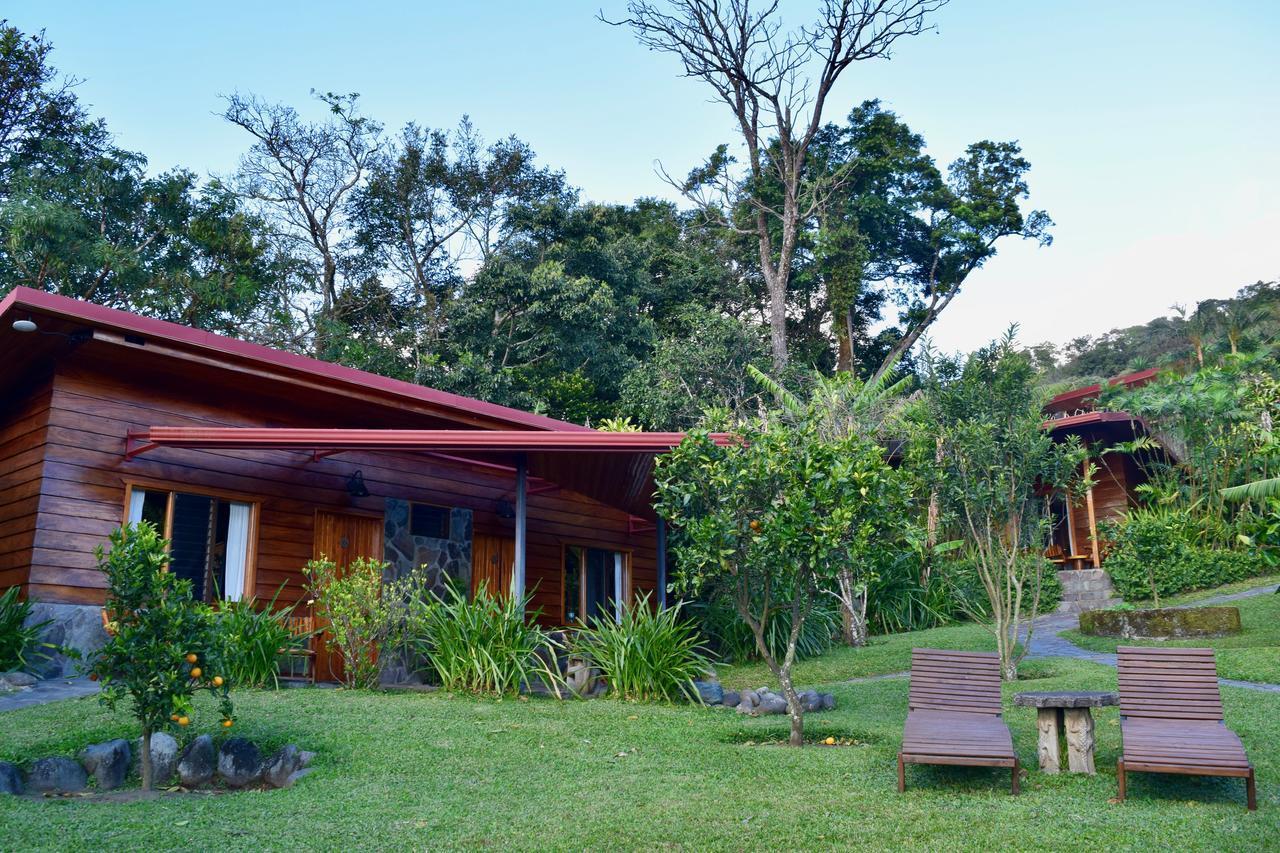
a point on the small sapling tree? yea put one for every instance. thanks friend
(996, 470)
(163, 645)
(770, 519)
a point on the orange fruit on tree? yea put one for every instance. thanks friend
(195, 672)
(173, 717)
(192, 657)
(182, 721)
(217, 681)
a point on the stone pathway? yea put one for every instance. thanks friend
(1046, 642)
(49, 690)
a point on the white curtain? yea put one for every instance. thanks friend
(619, 594)
(136, 499)
(237, 551)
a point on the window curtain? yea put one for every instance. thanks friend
(136, 499)
(237, 551)
(619, 591)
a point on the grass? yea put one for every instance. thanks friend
(884, 654)
(1252, 655)
(437, 771)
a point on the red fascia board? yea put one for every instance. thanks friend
(253, 438)
(1129, 380)
(1055, 424)
(123, 321)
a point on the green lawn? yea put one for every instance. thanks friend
(881, 655)
(1252, 655)
(431, 771)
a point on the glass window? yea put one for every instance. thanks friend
(208, 536)
(597, 584)
(429, 520)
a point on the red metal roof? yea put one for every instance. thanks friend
(24, 300)
(1078, 397)
(1086, 418)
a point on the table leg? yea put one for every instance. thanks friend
(1080, 740)
(1048, 722)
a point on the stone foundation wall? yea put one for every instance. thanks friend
(77, 626)
(441, 559)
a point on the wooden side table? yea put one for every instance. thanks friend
(1066, 712)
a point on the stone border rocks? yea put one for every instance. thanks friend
(761, 701)
(237, 764)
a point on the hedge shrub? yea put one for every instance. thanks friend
(1161, 546)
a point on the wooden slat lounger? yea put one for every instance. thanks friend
(1171, 718)
(954, 713)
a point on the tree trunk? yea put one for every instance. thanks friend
(146, 759)
(794, 709)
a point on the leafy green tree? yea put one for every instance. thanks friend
(994, 466)
(163, 644)
(768, 519)
(36, 104)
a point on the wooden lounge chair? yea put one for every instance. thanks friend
(954, 713)
(1171, 718)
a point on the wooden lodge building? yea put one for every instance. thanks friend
(253, 461)
(1076, 539)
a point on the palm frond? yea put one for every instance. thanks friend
(1257, 490)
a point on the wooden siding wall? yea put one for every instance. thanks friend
(82, 492)
(1113, 495)
(23, 430)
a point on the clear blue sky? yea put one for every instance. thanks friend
(1152, 126)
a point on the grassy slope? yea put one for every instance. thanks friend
(1252, 655)
(885, 654)
(430, 771)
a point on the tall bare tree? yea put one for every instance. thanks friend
(301, 173)
(777, 85)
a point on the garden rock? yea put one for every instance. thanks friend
(164, 757)
(16, 680)
(772, 703)
(239, 762)
(57, 775)
(731, 698)
(811, 700)
(710, 692)
(108, 762)
(828, 702)
(197, 764)
(10, 779)
(285, 767)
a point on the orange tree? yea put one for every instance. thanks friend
(163, 645)
(772, 520)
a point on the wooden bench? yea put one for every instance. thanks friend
(954, 713)
(1171, 718)
(303, 629)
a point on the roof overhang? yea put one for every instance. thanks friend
(615, 468)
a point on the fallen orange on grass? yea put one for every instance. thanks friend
(226, 724)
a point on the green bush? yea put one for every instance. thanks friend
(19, 644)
(965, 598)
(732, 641)
(359, 616)
(488, 644)
(649, 655)
(1161, 548)
(253, 638)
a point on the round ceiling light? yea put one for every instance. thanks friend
(24, 325)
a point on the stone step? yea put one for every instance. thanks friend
(1089, 588)
(1087, 595)
(1081, 606)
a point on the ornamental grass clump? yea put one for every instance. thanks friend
(650, 655)
(488, 644)
(253, 640)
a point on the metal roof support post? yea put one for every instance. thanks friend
(662, 562)
(522, 538)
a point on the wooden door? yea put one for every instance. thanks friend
(342, 537)
(493, 562)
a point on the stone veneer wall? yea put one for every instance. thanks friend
(441, 559)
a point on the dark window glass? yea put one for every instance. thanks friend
(599, 585)
(190, 540)
(428, 520)
(155, 506)
(572, 587)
